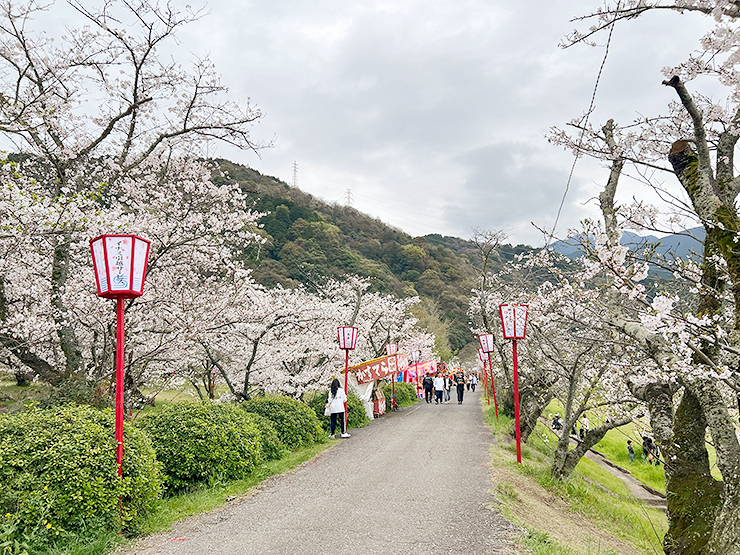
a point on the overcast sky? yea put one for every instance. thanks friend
(432, 115)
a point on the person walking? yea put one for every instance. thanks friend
(467, 382)
(647, 447)
(631, 451)
(584, 426)
(439, 386)
(473, 382)
(335, 404)
(428, 385)
(460, 383)
(448, 387)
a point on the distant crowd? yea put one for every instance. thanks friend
(438, 385)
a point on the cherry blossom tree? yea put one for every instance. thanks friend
(92, 111)
(695, 348)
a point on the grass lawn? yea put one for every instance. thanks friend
(614, 447)
(592, 512)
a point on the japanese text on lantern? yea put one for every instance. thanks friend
(119, 262)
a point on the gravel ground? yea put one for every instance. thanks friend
(415, 481)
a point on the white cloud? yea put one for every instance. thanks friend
(434, 113)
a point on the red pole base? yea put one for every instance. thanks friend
(493, 385)
(517, 427)
(119, 385)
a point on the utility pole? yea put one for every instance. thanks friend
(295, 174)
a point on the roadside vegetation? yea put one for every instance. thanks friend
(59, 488)
(591, 512)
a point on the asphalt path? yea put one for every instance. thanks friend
(414, 481)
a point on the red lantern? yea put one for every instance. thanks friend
(514, 320)
(514, 326)
(347, 337)
(486, 342)
(120, 265)
(120, 268)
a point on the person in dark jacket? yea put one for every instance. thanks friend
(428, 384)
(460, 383)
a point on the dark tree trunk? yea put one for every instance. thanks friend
(532, 402)
(564, 462)
(693, 495)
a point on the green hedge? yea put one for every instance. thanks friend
(58, 472)
(201, 442)
(356, 415)
(405, 394)
(272, 447)
(295, 422)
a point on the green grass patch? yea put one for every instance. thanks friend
(593, 492)
(539, 543)
(614, 446)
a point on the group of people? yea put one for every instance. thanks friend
(440, 385)
(558, 424)
(650, 451)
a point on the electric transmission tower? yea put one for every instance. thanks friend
(295, 174)
(348, 197)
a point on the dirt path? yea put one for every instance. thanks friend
(640, 491)
(415, 481)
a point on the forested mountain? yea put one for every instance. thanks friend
(309, 240)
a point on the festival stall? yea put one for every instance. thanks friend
(362, 377)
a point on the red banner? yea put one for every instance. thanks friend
(380, 368)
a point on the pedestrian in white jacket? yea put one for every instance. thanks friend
(335, 404)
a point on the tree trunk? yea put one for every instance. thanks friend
(66, 333)
(725, 538)
(23, 377)
(562, 469)
(532, 402)
(692, 495)
(20, 349)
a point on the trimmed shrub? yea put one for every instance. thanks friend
(356, 415)
(272, 447)
(295, 422)
(405, 394)
(200, 442)
(58, 472)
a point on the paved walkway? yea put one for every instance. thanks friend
(414, 481)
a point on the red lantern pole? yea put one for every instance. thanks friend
(120, 268)
(119, 384)
(392, 349)
(514, 326)
(493, 385)
(346, 376)
(516, 408)
(485, 382)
